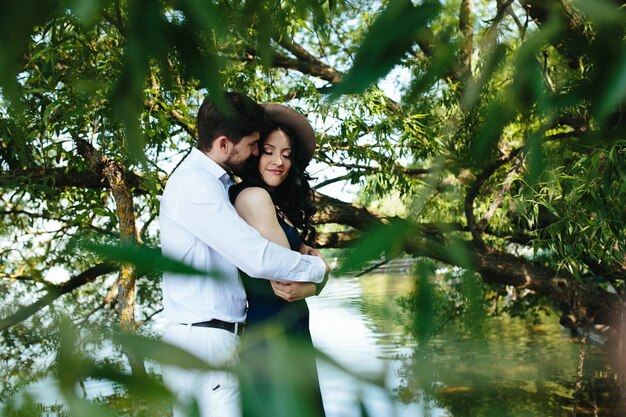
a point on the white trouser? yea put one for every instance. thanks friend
(217, 392)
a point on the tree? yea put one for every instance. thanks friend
(506, 139)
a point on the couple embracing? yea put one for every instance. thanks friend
(255, 235)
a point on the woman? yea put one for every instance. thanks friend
(275, 198)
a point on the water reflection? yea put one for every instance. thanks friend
(351, 321)
(518, 369)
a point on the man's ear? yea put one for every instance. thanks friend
(222, 144)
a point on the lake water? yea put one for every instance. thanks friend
(516, 369)
(343, 326)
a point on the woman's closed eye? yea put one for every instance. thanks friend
(270, 152)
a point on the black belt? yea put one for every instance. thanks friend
(236, 328)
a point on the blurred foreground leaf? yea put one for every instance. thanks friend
(383, 241)
(391, 36)
(424, 312)
(160, 352)
(71, 368)
(145, 258)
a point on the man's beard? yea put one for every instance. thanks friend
(235, 165)
(244, 169)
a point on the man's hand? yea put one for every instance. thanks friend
(307, 250)
(293, 291)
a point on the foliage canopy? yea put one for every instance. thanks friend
(500, 124)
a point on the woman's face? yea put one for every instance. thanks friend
(275, 159)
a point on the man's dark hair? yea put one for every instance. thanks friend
(235, 117)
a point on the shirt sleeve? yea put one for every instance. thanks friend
(200, 205)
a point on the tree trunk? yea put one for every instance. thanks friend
(466, 27)
(621, 351)
(113, 174)
(579, 303)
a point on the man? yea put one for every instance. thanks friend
(200, 227)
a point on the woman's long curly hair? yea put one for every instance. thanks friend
(294, 196)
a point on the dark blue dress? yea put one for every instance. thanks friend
(277, 347)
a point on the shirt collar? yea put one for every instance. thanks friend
(204, 162)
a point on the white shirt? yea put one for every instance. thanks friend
(200, 227)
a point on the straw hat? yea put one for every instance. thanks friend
(295, 121)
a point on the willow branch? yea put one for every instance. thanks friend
(473, 191)
(503, 8)
(148, 318)
(56, 292)
(311, 63)
(467, 29)
(497, 201)
(65, 177)
(330, 181)
(177, 117)
(318, 69)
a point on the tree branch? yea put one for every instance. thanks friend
(56, 292)
(585, 302)
(316, 69)
(331, 210)
(497, 201)
(114, 173)
(329, 181)
(65, 177)
(467, 29)
(472, 193)
(310, 64)
(503, 7)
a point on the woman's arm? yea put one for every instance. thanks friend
(255, 206)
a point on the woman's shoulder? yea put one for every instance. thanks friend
(254, 204)
(250, 189)
(249, 193)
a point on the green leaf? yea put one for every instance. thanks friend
(444, 57)
(87, 10)
(145, 258)
(80, 407)
(382, 240)
(614, 88)
(390, 37)
(475, 311)
(17, 21)
(490, 64)
(499, 114)
(205, 15)
(424, 312)
(601, 11)
(535, 160)
(161, 352)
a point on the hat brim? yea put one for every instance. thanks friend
(295, 121)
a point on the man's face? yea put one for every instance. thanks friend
(239, 153)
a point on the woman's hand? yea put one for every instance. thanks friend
(294, 291)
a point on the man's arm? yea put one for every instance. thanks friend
(307, 250)
(293, 291)
(256, 207)
(200, 206)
